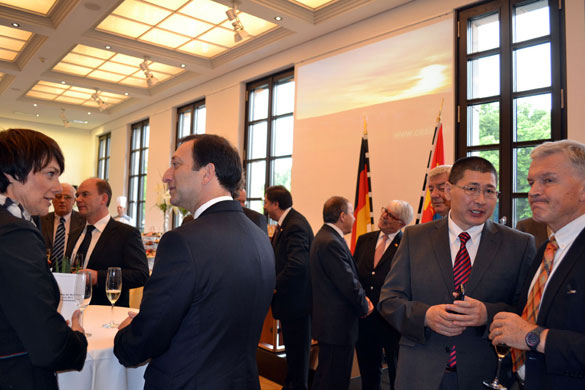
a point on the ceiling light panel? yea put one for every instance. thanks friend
(90, 62)
(313, 4)
(47, 90)
(40, 7)
(198, 27)
(12, 41)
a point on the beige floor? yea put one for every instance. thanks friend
(266, 384)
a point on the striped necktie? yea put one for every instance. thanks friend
(530, 312)
(461, 272)
(58, 245)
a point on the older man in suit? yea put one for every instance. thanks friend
(438, 177)
(444, 344)
(204, 306)
(61, 228)
(105, 243)
(291, 303)
(549, 336)
(373, 255)
(338, 297)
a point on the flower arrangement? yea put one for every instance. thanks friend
(164, 204)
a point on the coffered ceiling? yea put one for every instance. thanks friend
(93, 61)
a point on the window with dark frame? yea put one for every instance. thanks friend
(137, 178)
(510, 90)
(190, 120)
(103, 160)
(268, 144)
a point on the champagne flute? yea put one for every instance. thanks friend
(83, 303)
(113, 291)
(77, 262)
(501, 350)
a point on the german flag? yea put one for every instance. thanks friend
(363, 197)
(437, 158)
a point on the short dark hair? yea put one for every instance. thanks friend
(333, 208)
(281, 195)
(103, 187)
(472, 163)
(23, 151)
(211, 148)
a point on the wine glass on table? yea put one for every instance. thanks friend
(501, 350)
(84, 300)
(113, 291)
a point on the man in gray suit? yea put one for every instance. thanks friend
(444, 343)
(73, 223)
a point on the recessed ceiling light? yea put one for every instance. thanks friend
(278, 18)
(183, 65)
(63, 82)
(126, 93)
(15, 24)
(80, 121)
(38, 115)
(108, 47)
(35, 105)
(89, 113)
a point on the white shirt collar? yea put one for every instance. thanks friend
(283, 216)
(455, 231)
(101, 224)
(210, 203)
(568, 233)
(338, 230)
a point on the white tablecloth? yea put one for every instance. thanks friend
(102, 370)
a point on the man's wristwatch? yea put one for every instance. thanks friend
(533, 338)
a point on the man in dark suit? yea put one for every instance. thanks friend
(537, 229)
(551, 329)
(256, 217)
(204, 306)
(105, 243)
(73, 223)
(291, 303)
(443, 344)
(373, 255)
(338, 298)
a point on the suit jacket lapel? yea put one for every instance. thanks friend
(573, 255)
(488, 248)
(284, 223)
(48, 227)
(105, 237)
(439, 239)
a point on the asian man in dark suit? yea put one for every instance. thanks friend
(73, 223)
(291, 303)
(551, 329)
(338, 297)
(106, 242)
(204, 306)
(373, 255)
(444, 343)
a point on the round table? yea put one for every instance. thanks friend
(101, 370)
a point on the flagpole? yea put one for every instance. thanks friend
(431, 152)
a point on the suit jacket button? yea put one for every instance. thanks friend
(371, 287)
(373, 272)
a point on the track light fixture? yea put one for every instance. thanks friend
(97, 98)
(150, 78)
(64, 118)
(239, 32)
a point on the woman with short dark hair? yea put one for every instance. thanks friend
(35, 340)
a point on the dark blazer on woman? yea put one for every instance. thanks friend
(35, 341)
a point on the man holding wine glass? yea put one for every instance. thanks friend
(549, 336)
(444, 343)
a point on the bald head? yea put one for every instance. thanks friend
(64, 200)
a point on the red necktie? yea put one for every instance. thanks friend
(461, 271)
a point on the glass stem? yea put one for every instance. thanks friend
(498, 370)
(112, 316)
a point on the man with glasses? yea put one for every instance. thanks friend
(62, 227)
(444, 343)
(438, 177)
(373, 254)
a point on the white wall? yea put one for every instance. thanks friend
(225, 115)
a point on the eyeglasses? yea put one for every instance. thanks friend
(488, 193)
(386, 213)
(66, 197)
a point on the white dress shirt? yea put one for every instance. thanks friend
(95, 236)
(472, 244)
